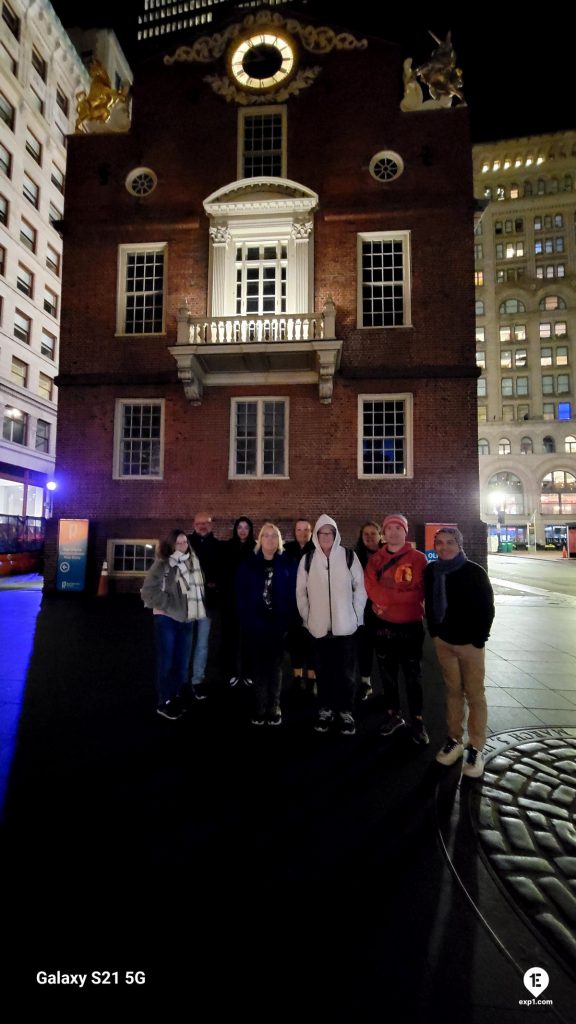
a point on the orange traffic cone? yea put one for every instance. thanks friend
(103, 581)
(564, 552)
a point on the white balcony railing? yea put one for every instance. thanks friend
(265, 329)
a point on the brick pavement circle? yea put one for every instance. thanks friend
(525, 810)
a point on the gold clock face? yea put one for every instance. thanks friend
(262, 61)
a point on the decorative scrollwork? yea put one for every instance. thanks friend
(206, 49)
(222, 85)
(301, 229)
(315, 40)
(220, 234)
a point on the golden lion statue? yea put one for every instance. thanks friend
(98, 104)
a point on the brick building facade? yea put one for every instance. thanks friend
(268, 305)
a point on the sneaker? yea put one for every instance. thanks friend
(392, 723)
(258, 719)
(419, 734)
(275, 717)
(473, 763)
(198, 692)
(247, 681)
(324, 720)
(170, 709)
(365, 689)
(234, 680)
(347, 724)
(451, 751)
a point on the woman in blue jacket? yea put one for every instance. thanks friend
(266, 596)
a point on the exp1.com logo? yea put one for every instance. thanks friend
(536, 980)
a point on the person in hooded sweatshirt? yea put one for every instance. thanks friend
(459, 615)
(331, 600)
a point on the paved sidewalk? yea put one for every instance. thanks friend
(246, 871)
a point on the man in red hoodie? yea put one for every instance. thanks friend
(394, 579)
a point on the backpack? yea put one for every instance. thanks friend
(309, 555)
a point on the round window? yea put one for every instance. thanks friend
(386, 165)
(141, 182)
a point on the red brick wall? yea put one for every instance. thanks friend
(188, 135)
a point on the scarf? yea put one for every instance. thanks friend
(191, 583)
(440, 571)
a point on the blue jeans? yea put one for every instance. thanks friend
(173, 649)
(200, 636)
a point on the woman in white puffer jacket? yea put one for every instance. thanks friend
(331, 600)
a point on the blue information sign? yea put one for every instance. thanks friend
(72, 552)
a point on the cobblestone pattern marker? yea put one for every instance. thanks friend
(525, 823)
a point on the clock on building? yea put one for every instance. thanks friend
(262, 60)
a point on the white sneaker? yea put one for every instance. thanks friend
(451, 751)
(473, 763)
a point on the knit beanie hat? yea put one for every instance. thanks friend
(398, 519)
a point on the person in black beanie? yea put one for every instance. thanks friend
(459, 613)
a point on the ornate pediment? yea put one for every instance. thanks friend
(261, 195)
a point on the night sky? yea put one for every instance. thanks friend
(519, 76)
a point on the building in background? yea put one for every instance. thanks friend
(256, 320)
(525, 277)
(41, 74)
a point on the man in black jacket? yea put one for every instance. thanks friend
(459, 614)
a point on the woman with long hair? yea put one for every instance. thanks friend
(174, 590)
(266, 595)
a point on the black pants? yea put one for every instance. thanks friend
(265, 654)
(399, 646)
(335, 662)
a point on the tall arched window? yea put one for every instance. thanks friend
(570, 444)
(512, 306)
(483, 446)
(504, 446)
(526, 446)
(527, 188)
(551, 302)
(548, 445)
(479, 308)
(558, 495)
(505, 494)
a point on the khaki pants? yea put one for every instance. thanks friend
(463, 670)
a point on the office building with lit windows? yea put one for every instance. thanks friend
(40, 73)
(525, 278)
(255, 316)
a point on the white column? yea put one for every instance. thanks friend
(301, 234)
(221, 239)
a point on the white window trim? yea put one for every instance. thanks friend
(371, 236)
(118, 420)
(123, 252)
(283, 212)
(251, 112)
(408, 399)
(124, 573)
(259, 475)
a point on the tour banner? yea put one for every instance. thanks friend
(72, 552)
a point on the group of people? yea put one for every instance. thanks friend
(333, 609)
